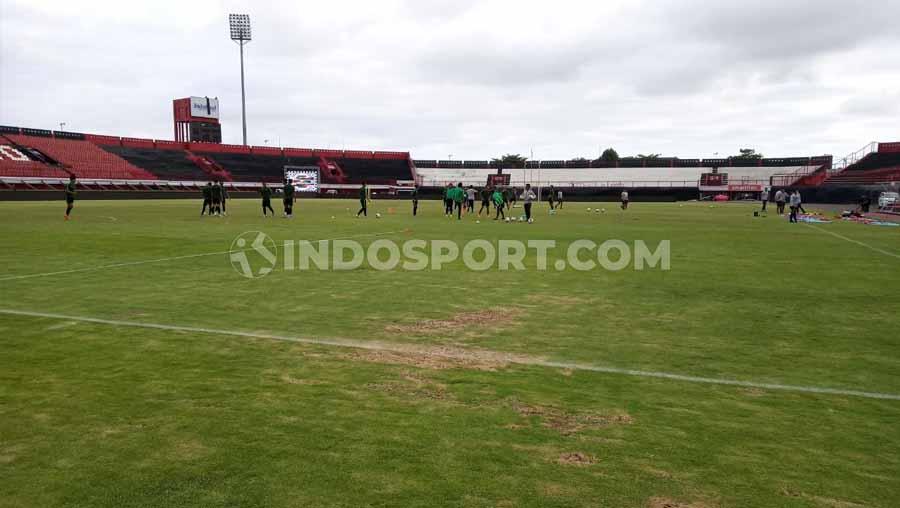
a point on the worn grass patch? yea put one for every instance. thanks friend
(486, 319)
(663, 502)
(567, 423)
(437, 358)
(576, 459)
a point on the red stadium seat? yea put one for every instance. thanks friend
(85, 159)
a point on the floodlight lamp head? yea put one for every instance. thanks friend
(240, 27)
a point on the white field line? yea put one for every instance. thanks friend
(857, 242)
(174, 258)
(461, 355)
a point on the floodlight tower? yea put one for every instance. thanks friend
(240, 33)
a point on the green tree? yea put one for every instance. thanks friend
(747, 154)
(512, 159)
(609, 156)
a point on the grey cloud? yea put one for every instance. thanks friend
(473, 78)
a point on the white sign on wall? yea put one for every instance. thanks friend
(304, 178)
(204, 107)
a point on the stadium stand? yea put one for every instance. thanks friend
(254, 167)
(30, 158)
(606, 177)
(376, 170)
(876, 163)
(37, 153)
(170, 165)
(19, 161)
(864, 177)
(14, 163)
(79, 156)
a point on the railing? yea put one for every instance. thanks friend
(570, 185)
(788, 179)
(842, 164)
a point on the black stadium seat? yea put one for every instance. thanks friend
(246, 167)
(165, 164)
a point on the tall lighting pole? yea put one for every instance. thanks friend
(240, 33)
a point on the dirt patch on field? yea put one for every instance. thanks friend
(413, 386)
(753, 392)
(659, 473)
(826, 502)
(437, 358)
(576, 459)
(488, 318)
(190, 449)
(560, 300)
(9, 454)
(570, 423)
(287, 378)
(664, 502)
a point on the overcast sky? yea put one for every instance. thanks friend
(469, 78)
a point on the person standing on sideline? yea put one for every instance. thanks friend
(795, 206)
(624, 198)
(363, 200)
(485, 201)
(470, 199)
(865, 203)
(528, 198)
(764, 197)
(415, 199)
(559, 199)
(779, 201)
(207, 199)
(288, 199)
(70, 195)
(266, 194)
(551, 195)
(499, 203)
(799, 202)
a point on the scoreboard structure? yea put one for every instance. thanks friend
(197, 119)
(499, 179)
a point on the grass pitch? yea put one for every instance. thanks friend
(99, 414)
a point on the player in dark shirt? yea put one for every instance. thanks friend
(266, 194)
(216, 199)
(448, 201)
(551, 196)
(485, 201)
(70, 195)
(207, 199)
(363, 200)
(224, 194)
(499, 202)
(288, 199)
(415, 199)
